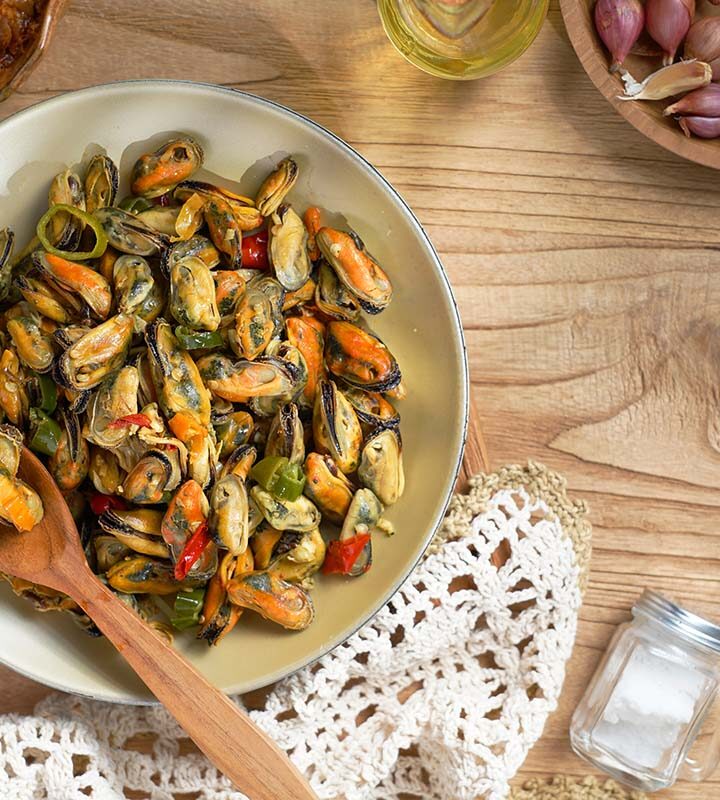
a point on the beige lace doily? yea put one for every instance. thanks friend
(440, 696)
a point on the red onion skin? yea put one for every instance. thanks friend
(704, 127)
(619, 24)
(703, 102)
(668, 21)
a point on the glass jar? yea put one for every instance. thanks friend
(462, 39)
(650, 714)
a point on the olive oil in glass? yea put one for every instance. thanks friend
(462, 39)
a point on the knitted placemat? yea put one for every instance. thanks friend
(562, 787)
(540, 483)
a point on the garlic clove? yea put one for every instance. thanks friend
(668, 81)
(703, 42)
(703, 102)
(667, 22)
(619, 24)
(704, 127)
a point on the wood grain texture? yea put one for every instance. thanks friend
(583, 256)
(647, 117)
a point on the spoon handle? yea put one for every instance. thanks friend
(227, 736)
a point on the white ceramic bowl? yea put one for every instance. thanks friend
(421, 326)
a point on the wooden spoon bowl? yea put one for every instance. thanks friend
(646, 116)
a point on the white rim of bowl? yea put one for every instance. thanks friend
(416, 225)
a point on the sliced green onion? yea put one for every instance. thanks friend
(198, 340)
(187, 609)
(135, 205)
(95, 226)
(48, 393)
(46, 432)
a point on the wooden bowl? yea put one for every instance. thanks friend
(646, 116)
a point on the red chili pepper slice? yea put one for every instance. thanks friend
(103, 502)
(192, 551)
(141, 420)
(255, 250)
(341, 556)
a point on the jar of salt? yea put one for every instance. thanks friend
(651, 713)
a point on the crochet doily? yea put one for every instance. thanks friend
(440, 696)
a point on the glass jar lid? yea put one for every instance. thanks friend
(691, 626)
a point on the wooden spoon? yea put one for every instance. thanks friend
(50, 554)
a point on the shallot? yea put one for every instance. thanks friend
(703, 42)
(703, 102)
(619, 24)
(668, 21)
(704, 127)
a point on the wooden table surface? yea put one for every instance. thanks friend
(584, 259)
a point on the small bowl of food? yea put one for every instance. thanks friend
(26, 27)
(241, 398)
(657, 62)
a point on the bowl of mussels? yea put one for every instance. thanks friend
(236, 351)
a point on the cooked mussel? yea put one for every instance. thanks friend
(96, 354)
(381, 467)
(297, 515)
(175, 375)
(70, 463)
(254, 323)
(310, 341)
(240, 380)
(300, 563)
(128, 234)
(276, 186)
(273, 598)
(219, 615)
(20, 504)
(65, 229)
(360, 358)
(197, 246)
(138, 529)
(288, 248)
(356, 268)
(145, 575)
(108, 551)
(246, 215)
(14, 399)
(101, 183)
(11, 442)
(44, 299)
(332, 297)
(156, 173)
(363, 515)
(133, 282)
(372, 409)
(7, 238)
(186, 512)
(78, 279)
(286, 436)
(105, 471)
(115, 398)
(336, 427)
(192, 294)
(157, 472)
(228, 521)
(224, 230)
(233, 430)
(34, 347)
(328, 487)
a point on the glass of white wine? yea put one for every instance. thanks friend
(462, 39)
